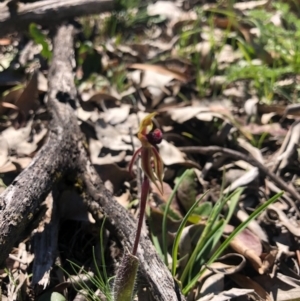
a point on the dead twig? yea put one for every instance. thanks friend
(48, 12)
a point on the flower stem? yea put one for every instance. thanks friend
(144, 197)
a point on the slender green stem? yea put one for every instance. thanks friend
(164, 222)
(144, 197)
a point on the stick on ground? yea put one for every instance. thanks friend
(62, 154)
(48, 12)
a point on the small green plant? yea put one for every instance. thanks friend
(99, 280)
(206, 250)
(39, 38)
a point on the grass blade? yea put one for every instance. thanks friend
(164, 222)
(225, 244)
(179, 232)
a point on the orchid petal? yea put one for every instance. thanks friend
(134, 157)
(146, 155)
(158, 167)
(147, 124)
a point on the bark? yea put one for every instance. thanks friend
(44, 243)
(47, 12)
(64, 153)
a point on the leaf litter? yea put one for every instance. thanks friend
(218, 76)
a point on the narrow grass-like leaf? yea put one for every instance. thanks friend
(179, 232)
(232, 205)
(225, 244)
(156, 244)
(205, 235)
(164, 222)
(102, 254)
(243, 225)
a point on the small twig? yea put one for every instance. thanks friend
(210, 150)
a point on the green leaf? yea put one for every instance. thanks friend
(39, 38)
(57, 297)
(225, 244)
(179, 232)
(125, 279)
(52, 296)
(209, 233)
(203, 210)
(187, 190)
(164, 222)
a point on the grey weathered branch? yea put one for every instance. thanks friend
(64, 153)
(48, 12)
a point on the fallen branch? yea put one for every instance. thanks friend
(48, 12)
(62, 154)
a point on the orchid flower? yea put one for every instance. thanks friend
(151, 161)
(152, 166)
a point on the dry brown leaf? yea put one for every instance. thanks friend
(213, 284)
(253, 151)
(115, 174)
(17, 139)
(243, 180)
(281, 110)
(42, 82)
(170, 153)
(254, 226)
(28, 99)
(188, 240)
(248, 283)
(248, 244)
(206, 54)
(168, 9)
(8, 105)
(273, 129)
(187, 190)
(293, 227)
(117, 115)
(8, 167)
(20, 163)
(3, 151)
(11, 97)
(227, 295)
(226, 267)
(290, 295)
(112, 139)
(288, 148)
(247, 5)
(203, 113)
(101, 96)
(161, 70)
(5, 41)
